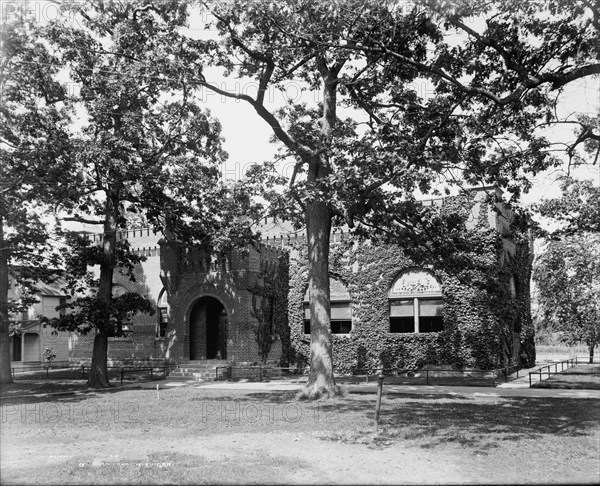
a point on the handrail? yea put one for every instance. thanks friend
(123, 369)
(569, 363)
(386, 371)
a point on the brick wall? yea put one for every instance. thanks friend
(143, 344)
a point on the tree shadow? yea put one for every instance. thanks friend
(75, 395)
(436, 419)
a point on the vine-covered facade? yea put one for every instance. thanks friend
(387, 310)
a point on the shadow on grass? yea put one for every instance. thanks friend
(61, 393)
(477, 422)
(434, 420)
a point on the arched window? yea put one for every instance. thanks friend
(341, 309)
(163, 313)
(415, 303)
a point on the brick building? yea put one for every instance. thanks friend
(204, 304)
(384, 307)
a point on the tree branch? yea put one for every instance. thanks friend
(263, 82)
(80, 219)
(266, 115)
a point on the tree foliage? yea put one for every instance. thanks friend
(576, 211)
(568, 271)
(567, 275)
(140, 144)
(32, 135)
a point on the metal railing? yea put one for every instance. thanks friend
(431, 376)
(261, 372)
(564, 365)
(121, 370)
(20, 370)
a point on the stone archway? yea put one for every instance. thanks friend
(208, 329)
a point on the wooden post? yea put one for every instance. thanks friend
(379, 392)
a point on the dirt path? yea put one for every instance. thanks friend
(303, 458)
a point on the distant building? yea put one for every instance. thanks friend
(29, 337)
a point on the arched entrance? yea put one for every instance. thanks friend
(208, 330)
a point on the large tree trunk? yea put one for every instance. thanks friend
(5, 372)
(591, 348)
(98, 377)
(98, 373)
(318, 228)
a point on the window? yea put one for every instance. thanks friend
(163, 313)
(63, 311)
(514, 288)
(415, 303)
(125, 333)
(341, 309)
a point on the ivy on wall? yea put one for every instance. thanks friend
(480, 314)
(270, 307)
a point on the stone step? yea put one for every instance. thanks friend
(208, 362)
(199, 369)
(192, 369)
(193, 375)
(202, 365)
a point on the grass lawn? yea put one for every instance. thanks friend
(197, 435)
(33, 386)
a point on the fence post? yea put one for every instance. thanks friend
(82, 372)
(379, 392)
(121, 376)
(529, 380)
(260, 373)
(47, 372)
(427, 377)
(151, 375)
